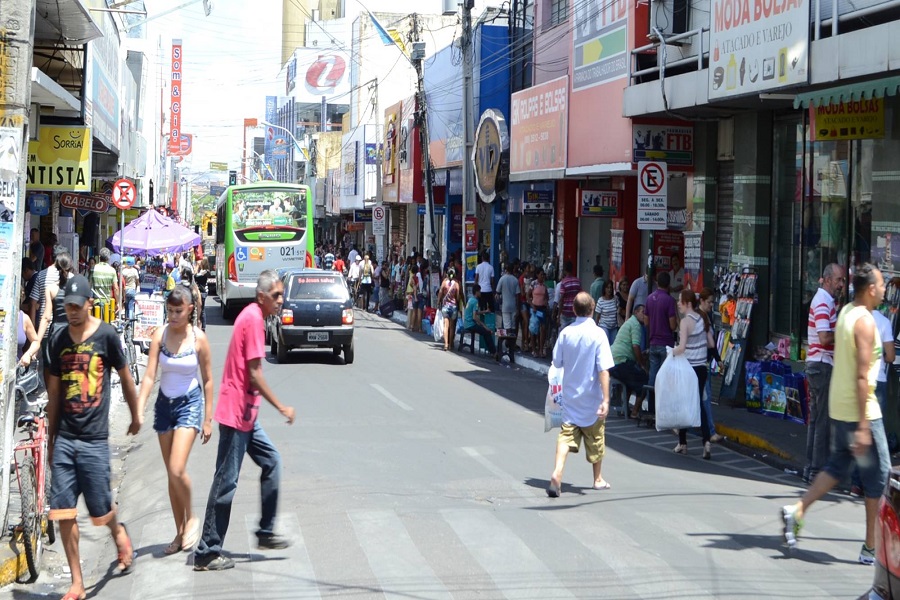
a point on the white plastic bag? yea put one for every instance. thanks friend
(677, 394)
(553, 412)
(438, 328)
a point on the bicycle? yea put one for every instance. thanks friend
(125, 328)
(32, 476)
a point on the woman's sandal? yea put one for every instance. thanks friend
(126, 555)
(174, 547)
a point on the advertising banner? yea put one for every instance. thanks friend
(538, 202)
(757, 46)
(594, 203)
(616, 247)
(103, 81)
(316, 72)
(668, 255)
(693, 260)
(862, 119)
(538, 133)
(60, 159)
(471, 235)
(600, 40)
(10, 153)
(673, 145)
(175, 99)
(349, 160)
(185, 145)
(150, 313)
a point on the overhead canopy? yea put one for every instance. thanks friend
(151, 234)
(863, 90)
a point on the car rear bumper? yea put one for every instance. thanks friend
(311, 337)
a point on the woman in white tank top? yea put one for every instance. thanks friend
(694, 337)
(183, 406)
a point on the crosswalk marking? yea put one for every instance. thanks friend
(401, 570)
(500, 473)
(513, 567)
(391, 397)
(287, 573)
(149, 571)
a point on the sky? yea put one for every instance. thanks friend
(231, 62)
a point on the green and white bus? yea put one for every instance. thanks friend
(259, 226)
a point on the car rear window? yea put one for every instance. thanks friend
(319, 287)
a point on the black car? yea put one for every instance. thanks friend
(887, 543)
(317, 313)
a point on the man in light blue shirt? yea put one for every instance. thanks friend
(582, 351)
(472, 321)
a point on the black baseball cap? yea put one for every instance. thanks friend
(78, 290)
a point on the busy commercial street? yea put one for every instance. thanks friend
(415, 473)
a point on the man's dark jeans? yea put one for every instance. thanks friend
(233, 444)
(657, 357)
(818, 440)
(487, 334)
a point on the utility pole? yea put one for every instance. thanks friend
(417, 56)
(16, 50)
(468, 196)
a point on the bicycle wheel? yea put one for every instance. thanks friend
(45, 521)
(131, 355)
(32, 536)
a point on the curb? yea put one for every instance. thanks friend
(749, 440)
(14, 566)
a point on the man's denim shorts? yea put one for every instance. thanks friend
(183, 411)
(874, 467)
(80, 468)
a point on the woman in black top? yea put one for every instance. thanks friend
(201, 278)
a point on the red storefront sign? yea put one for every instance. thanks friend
(93, 202)
(175, 104)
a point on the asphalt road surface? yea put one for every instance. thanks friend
(420, 474)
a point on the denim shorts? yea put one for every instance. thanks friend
(450, 312)
(874, 467)
(80, 468)
(420, 302)
(183, 411)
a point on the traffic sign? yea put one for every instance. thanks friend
(652, 195)
(379, 220)
(123, 194)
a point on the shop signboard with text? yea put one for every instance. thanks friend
(757, 46)
(60, 159)
(539, 127)
(854, 120)
(471, 234)
(693, 260)
(596, 203)
(538, 202)
(673, 144)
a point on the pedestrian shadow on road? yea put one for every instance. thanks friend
(744, 541)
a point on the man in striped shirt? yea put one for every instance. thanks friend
(819, 363)
(567, 289)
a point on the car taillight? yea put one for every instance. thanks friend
(347, 316)
(287, 317)
(887, 537)
(232, 268)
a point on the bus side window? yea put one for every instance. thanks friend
(220, 218)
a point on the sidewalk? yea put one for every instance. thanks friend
(778, 442)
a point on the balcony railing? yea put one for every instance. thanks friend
(697, 60)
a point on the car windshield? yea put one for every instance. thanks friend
(318, 287)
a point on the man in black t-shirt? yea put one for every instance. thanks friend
(78, 389)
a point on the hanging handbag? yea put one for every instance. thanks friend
(27, 378)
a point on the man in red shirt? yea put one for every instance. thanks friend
(339, 264)
(240, 432)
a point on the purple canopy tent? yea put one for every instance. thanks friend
(152, 233)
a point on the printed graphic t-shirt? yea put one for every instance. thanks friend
(238, 406)
(84, 370)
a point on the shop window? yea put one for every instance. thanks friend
(786, 216)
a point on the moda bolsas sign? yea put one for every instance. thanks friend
(60, 160)
(757, 46)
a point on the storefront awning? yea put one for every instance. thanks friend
(46, 92)
(878, 88)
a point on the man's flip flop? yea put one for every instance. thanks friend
(603, 485)
(553, 491)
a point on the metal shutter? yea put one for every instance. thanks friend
(724, 212)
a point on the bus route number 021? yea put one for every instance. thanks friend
(291, 252)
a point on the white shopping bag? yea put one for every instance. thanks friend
(438, 328)
(677, 394)
(553, 411)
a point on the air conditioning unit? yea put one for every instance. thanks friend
(671, 17)
(450, 7)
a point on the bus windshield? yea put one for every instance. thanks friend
(252, 209)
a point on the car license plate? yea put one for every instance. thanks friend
(318, 336)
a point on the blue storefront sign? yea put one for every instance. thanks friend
(438, 210)
(362, 216)
(39, 205)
